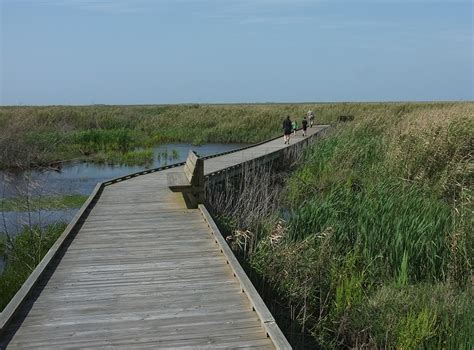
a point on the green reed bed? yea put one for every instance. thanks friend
(135, 157)
(377, 247)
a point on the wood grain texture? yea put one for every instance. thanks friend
(142, 271)
(266, 318)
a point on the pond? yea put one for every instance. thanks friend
(81, 178)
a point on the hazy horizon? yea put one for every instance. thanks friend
(234, 103)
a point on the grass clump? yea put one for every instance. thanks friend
(134, 157)
(22, 253)
(94, 140)
(416, 316)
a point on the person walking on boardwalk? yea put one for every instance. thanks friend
(304, 124)
(310, 116)
(287, 129)
(294, 126)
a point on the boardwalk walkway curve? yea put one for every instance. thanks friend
(136, 269)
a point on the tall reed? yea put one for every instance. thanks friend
(377, 247)
(249, 200)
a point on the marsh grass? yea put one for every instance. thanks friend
(377, 245)
(36, 136)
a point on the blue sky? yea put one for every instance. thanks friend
(217, 51)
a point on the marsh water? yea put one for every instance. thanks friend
(79, 178)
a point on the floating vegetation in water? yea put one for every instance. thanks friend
(167, 155)
(134, 157)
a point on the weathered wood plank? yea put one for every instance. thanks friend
(178, 181)
(268, 322)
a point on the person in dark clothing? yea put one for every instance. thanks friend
(287, 126)
(304, 124)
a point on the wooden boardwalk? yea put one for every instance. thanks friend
(143, 271)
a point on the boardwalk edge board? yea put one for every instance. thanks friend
(268, 322)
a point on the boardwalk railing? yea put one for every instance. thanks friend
(294, 148)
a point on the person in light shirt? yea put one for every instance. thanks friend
(310, 117)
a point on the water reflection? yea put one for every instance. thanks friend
(81, 178)
(13, 221)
